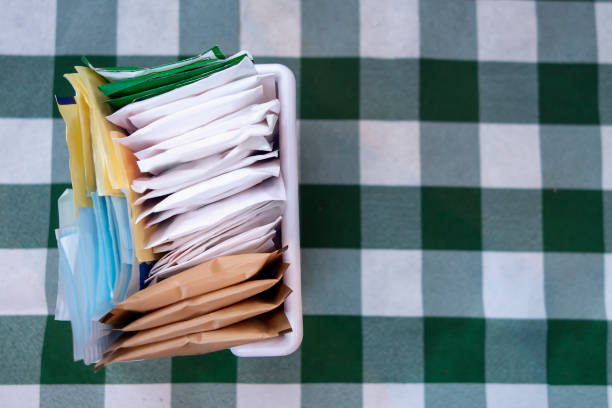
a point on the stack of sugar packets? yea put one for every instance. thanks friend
(168, 239)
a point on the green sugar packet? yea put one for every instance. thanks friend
(119, 102)
(134, 85)
(113, 74)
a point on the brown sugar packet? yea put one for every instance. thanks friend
(262, 327)
(218, 319)
(209, 276)
(206, 303)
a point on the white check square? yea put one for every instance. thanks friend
(23, 281)
(389, 153)
(510, 156)
(389, 28)
(271, 28)
(606, 156)
(22, 396)
(146, 30)
(28, 27)
(603, 17)
(267, 395)
(516, 395)
(507, 31)
(393, 395)
(608, 284)
(391, 282)
(513, 285)
(25, 157)
(137, 395)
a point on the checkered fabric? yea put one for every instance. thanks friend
(456, 200)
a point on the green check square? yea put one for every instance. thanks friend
(58, 366)
(390, 217)
(24, 215)
(454, 350)
(573, 220)
(56, 192)
(202, 24)
(64, 64)
(332, 349)
(155, 371)
(568, 93)
(449, 90)
(330, 216)
(219, 367)
(70, 395)
(25, 84)
(451, 218)
(576, 352)
(21, 345)
(330, 88)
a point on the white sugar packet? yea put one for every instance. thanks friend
(272, 208)
(185, 120)
(147, 117)
(211, 145)
(247, 116)
(189, 173)
(267, 246)
(199, 177)
(216, 188)
(157, 217)
(255, 227)
(201, 193)
(191, 170)
(254, 230)
(206, 240)
(210, 216)
(242, 69)
(239, 244)
(196, 178)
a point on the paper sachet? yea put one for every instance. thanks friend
(259, 328)
(191, 118)
(244, 241)
(215, 188)
(266, 217)
(152, 80)
(272, 209)
(87, 273)
(196, 171)
(70, 114)
(122, 116)
(206, 303)
(207, 277)
(145, 118)
(257, 135)
(243, 310)
(210, 216)
(96, 176)
(140, 235)
(119, 102)
(234, 246)
(100, 129)
(248, 116)
(119, 73)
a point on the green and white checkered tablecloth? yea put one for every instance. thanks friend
(456, 200)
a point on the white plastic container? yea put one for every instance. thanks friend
(290, 228)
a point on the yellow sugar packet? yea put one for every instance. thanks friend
(70, 114)
(102, 128)
(129, 170)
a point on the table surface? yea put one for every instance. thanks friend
(456, 200)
